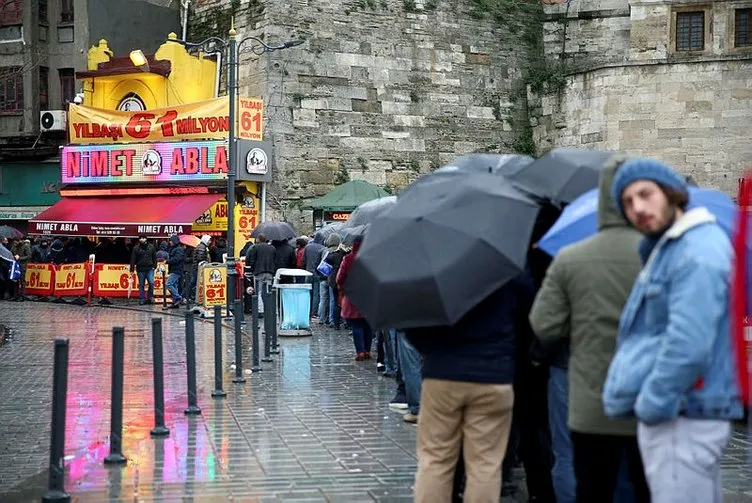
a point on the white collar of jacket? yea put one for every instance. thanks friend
(690, 220)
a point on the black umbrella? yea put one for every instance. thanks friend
(440, 251)
(562, 175)
(10, 232)
(275, 231)
(364, 215)
(503, 164)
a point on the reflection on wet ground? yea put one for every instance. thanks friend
(311, 426)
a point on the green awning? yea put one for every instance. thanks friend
(347, 197)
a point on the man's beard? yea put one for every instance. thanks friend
(670, 220)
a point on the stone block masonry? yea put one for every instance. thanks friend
(385, 90)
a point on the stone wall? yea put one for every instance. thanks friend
(638, 94)
(383, 90)
(695, 117)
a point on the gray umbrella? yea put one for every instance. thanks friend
(364, 215)
(9, 232)
(275, 231)
(327, 230)
(5, 254)
(560, 176)
(503, 164)
(440, 251)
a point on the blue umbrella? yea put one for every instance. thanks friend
(579, 220)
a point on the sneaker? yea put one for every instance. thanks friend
(367, 355)
(360, 357)
(380, 367)
(410, 418)
(398, 402)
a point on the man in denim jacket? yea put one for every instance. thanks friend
(674, 367)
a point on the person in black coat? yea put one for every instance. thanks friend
(260, 260)
(144, 261)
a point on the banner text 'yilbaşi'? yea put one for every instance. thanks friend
(202, 120)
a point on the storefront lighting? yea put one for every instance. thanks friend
(138, 59)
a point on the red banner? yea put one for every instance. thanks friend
(71, 280)
(40, 279)
(112, 280)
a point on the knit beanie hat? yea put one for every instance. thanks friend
(644, 168)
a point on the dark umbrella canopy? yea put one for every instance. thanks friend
(275, 231)
(364, 215)
(560, 176)
(10, 232)
(503, 164)
(368, 212)
(440, 251)
(326, 231)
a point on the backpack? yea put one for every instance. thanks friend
(324, 268)
(15, 271)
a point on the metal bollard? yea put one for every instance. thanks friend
(160, 430)
(56, 488)
(116, 417)
(255, 349)
(273, 325)
(268, 321)
(218, 391)
(238, 342)
(190, 349)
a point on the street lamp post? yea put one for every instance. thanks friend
(234, 48)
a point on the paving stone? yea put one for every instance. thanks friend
(313, 426)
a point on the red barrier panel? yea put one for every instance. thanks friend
(71, 280)
(111, 280)
(39, 279)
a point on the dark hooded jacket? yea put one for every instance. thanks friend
(41, 254)
(312, 253)
(57, 252)
(260, 259)
(176, 258)
(164, 251)
(581, 299)
(480, 347)
(284, 256)
(144, 257)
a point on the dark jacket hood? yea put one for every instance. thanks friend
(608, 214)
(174, 239)
(163, 246)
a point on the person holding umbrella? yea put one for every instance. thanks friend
(675, 368)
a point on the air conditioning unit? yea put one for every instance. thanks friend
(53, 120)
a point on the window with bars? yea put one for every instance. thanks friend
(44, 88)
(690, 31)
(742, 22)
(43, 12)
(67, 85)
(66, 11)
(11, 12)
(11, 89)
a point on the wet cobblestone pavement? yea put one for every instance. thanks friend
(314, 425)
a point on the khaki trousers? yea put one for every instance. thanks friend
(475, 416)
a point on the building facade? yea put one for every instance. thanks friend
(668, 79)
(43, 43)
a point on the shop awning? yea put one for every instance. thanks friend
(347, 196)
(132, 216)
